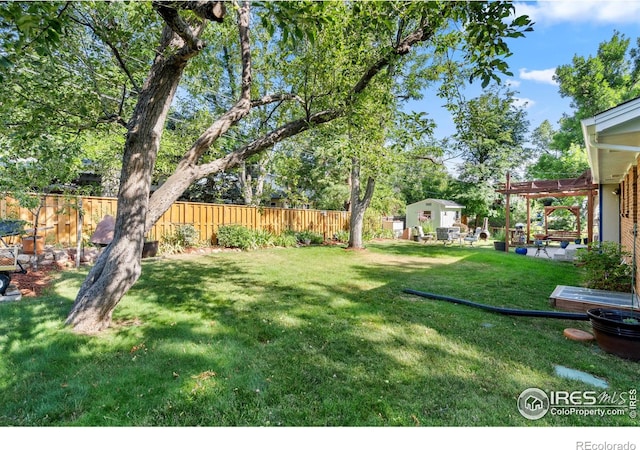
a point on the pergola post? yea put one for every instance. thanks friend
(507, 214)
(528, 219)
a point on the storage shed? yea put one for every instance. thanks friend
(441, 213)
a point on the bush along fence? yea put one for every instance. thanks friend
(63, 220)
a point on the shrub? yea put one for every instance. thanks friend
(263, 238)
(183, 236)
(605, 267)
(187, 236)
(286, 239)
(342, 236)
(427, 226)
(499, 235)
(235, 236)
(377, 234)
(313, 238)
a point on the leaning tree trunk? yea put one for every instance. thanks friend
(118, 267)
(358, 206)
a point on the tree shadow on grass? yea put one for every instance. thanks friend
(344, 331)
(217, 342)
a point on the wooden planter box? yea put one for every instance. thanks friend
(579, 299)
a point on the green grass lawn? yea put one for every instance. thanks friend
(309, 336)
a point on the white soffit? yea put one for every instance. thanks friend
(612, 139)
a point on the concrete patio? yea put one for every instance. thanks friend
(555, 252)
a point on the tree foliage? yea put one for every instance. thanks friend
(490, 140)
(308, 64)
(597, 83)
(552, 162)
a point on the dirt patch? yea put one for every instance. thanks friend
(35, 282)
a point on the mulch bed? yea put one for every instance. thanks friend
(34, 282)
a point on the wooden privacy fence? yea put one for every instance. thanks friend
(62, 217)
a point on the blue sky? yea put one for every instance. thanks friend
(563, 28)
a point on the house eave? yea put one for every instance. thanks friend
(612, 140)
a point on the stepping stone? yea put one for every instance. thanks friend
(573, 374)
(12, 294)
(578, 335)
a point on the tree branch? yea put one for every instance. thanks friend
(179, 26)
(114, 118)
(295, 127)
(241, 107)
(111, 45)
(404, 46)
(214, 11)
(236, 157)
(122, 64)
(272, 98)
(245, 52)
(429, 158)
(188, 169)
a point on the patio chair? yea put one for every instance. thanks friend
(541, 245)
(470, 239)
(447, 234)
(422, 236)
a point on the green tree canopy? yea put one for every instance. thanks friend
(490, 140)
(552, 162)
(597, 83)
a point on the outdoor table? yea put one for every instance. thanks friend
(460, 237)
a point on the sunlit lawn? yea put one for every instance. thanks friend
(311, 336)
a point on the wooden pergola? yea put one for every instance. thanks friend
(582, 186)
(548, 210)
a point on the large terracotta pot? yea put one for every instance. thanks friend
(617, 331)
(27, 245)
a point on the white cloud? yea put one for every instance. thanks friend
(539, 76)
(512, 83)
(523, 102)
(551, 12)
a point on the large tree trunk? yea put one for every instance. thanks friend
(358, 205)
(118, 267)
